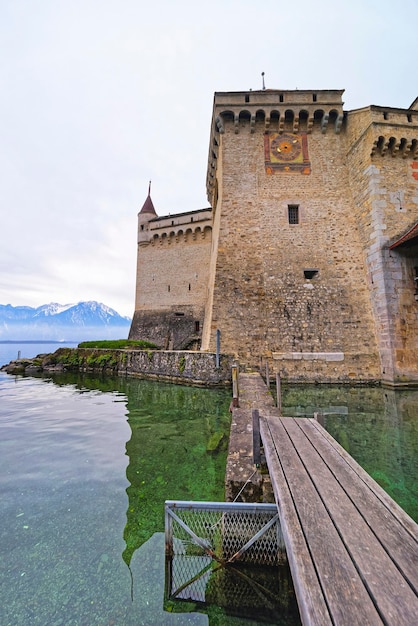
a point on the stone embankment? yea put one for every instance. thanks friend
(183, 367)
(244, 481)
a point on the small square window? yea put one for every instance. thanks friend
(293, 213)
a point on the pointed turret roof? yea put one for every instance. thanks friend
(148, 206)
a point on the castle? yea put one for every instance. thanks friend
(308, 256)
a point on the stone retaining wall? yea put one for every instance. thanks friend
(183, 367)
(195, 368)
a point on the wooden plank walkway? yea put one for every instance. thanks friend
(353, 552)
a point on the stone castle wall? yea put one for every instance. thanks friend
(173, 271)
(385, 198)
(172, 277)
(263, 303)
(325, 299)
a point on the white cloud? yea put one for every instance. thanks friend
(100, 97)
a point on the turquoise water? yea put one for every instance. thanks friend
(85, 467)
(377, 426)
(86, 464)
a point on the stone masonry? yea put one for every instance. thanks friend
(308, 257)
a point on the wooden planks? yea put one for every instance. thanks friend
(392, 527)
(352, 551)
(312, 605)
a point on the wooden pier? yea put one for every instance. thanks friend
(353, 552)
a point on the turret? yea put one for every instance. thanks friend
(146, 214)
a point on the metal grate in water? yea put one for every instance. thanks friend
(227, 554)
(224, 531)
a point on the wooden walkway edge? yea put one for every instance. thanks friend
(353, 552)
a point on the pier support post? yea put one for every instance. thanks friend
(256, 438)
(235, 388)
(279, 392)
(267, 375)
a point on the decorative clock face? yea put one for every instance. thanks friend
(286, 152)
(286, 147)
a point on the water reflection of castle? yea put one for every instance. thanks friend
(170, 423)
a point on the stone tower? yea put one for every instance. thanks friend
(309, 268)
(308, 257)
(172, 276)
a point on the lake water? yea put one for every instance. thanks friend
(377, 426)
(86, 464)
(11, 350)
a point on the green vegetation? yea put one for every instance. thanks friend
(98, 355)
(168, 458)
(119, 344)
(72, 358)
(217, 441)
(182, 364)
(103, 354)
(102, 360)
(64, 356)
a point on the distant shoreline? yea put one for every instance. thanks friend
(36, 341)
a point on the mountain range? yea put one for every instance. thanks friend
(58, 322)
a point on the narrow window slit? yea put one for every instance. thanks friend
(309, 274)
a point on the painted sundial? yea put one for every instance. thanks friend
(286, 152)
(286, 147)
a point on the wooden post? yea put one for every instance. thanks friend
(267, 374)
(235, 389)
(256, 438)
(168, 533)
(319, 417)
(279, 392)
(218, 347)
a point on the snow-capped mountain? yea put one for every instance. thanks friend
(62, 322)
(53, 308)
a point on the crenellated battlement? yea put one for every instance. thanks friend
(384, 130)
(272, 111)
(281, 120)
(395, 146)
(181, 227)
(188, 235)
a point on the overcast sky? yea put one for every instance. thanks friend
(100, 96)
